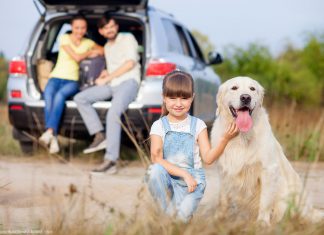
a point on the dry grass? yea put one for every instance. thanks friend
(70, 148)
(299, 130)
(80, 212)
(73, 219)
(8, 146)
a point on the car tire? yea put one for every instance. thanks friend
(27, 147)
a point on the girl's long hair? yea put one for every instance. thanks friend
(177, 84)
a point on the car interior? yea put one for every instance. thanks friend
(47, 45)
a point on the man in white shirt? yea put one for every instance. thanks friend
(120, 82)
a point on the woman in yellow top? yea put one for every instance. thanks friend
(63, 81)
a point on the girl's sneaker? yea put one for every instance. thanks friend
(46, 138)
(54, 146)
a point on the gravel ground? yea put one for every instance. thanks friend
(34, 192)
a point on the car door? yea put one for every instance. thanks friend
(206, 83)
(196, 70)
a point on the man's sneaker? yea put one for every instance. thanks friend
(108, 167)
(97, 144)
(54, 146)
(46, 138)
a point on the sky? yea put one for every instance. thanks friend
(274, 23)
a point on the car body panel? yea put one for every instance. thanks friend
(30, 117)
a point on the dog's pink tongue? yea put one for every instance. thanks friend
(244, 121)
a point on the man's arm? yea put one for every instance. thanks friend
(124, 68)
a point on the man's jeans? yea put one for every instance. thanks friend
(57, 91)
(122, 95)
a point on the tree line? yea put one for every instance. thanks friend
(294, 75)
(3, 76)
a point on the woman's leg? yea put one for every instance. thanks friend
(50, 90)
(66, 90)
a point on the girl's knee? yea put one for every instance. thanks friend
(156, 171)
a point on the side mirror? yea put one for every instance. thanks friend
(214, 58)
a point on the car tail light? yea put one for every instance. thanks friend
(16, 107)
(155, 110)
(159, 68)
(17, 66)
(15, 93)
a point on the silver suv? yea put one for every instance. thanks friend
(165, 44)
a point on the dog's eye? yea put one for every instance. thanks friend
(252, 88)
(234, 88)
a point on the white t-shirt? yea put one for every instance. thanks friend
(123, 49)
(183, 126)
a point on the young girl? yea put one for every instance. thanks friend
(176, 180)
(64, 77)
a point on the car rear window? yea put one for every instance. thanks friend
(174, 43)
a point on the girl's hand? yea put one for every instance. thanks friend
(191, 182)
(231, 131)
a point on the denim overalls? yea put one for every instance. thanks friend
(171, 192)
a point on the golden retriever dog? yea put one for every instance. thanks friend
(257, 182)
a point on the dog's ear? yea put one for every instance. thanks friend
(219, 99)
(217, 111)
(260, 93)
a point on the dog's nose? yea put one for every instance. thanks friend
(245, 99)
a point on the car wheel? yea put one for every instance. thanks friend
(27, 147)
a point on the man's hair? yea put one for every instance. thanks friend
(105, 20)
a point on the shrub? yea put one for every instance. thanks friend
(295, 75)
(3, 76)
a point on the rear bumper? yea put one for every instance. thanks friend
(29, 117)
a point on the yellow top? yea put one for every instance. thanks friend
(66, 67)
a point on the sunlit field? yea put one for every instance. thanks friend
(298, 129)
(57, 195)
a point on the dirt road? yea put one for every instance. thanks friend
(33, 191)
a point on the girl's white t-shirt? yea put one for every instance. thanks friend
(183, 126)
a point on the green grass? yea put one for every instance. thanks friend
(8, 146)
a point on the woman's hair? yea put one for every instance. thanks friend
(105, 20)
(177, 84)
(78, 17)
